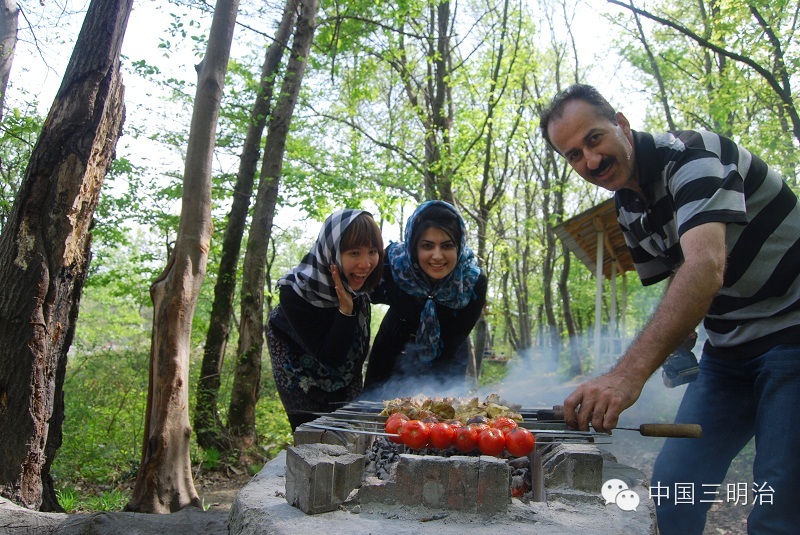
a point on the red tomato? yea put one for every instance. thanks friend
(520, 442)
(397, 416)
(491, 441)
(466, 438)
(480, 427)
(393, 425)
(455, 424)
(442, 435)
(504, 424)
(415, 434)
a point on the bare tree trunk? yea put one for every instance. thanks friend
(241, 414)
(9, 16)
(207, 424)
(164, 482)
(45, 253)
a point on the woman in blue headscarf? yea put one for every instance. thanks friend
(318, 335)
(435, 292)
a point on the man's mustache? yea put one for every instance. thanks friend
(605, 163)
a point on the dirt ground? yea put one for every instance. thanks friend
(218, 489)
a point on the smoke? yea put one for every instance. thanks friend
(413, 377)
(532, 380)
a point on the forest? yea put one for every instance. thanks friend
(149, 205)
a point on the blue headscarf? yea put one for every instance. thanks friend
(454, 291)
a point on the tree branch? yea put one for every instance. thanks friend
(784, 95)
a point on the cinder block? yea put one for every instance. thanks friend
(353, 442)
(462, 483)
(319, 477)
(459, 483)
(577, 467)
(376, 490)
(493, 491)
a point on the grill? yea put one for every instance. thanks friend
(346, 442)
(363, 417)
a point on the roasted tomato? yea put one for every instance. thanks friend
(442, 435)
(466, 438)
(504, 424)
(415, 434)
(397, 416)
(455, 424)
(520, 442)
(480, 427)
(491, 441)
(393, 424)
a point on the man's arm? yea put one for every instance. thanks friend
(683, 306)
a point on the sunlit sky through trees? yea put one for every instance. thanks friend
(43, 52)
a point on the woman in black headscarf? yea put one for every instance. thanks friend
(318, 336)
(435, 292)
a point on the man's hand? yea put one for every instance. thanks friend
(601, 401)
(685, 302)
(345, 299)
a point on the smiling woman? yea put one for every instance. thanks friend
(318, 336)
(436, 292)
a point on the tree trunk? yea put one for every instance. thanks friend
(9, 16)
(206, 420)
(241, 414)
(45, 253)
(164, 481)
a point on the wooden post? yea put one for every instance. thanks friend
(598, 302)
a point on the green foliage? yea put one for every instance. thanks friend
(710, 90)
(272, 426)
(18, 132)
(109, 500)
(75, 500)
(105, 394)
(211, 458)
(68, 498)
(492, 373)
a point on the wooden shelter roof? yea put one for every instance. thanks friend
(579, 234)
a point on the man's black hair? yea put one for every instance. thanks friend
(586, 93)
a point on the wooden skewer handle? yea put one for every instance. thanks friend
(671, 430)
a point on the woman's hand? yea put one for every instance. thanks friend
(345, 299)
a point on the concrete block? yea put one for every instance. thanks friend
(460, 483)
(353, 442)
(436, 482)
(374, 490)
(319, 477)
(494, 490)
(576, 467)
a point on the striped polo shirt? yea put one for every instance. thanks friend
(694, 177)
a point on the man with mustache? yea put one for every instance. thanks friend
(725, 228)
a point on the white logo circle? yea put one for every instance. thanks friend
(611, 488)
(627, 500)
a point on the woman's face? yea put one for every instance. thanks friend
(357, 264)
(437, 253)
